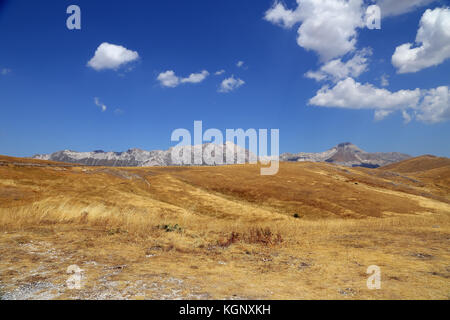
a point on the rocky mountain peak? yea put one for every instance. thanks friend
(348, 154)
(345, 144)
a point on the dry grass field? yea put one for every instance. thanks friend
(309, 232)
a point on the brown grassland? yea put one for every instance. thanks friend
(309, 232)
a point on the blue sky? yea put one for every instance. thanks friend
(48, 90)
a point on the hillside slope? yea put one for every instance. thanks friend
(418, 164)
(311, 190)
(430, 170)
(310, 232)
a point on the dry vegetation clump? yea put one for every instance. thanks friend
(261, 236)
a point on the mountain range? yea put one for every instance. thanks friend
(143, 158)
(346, 154)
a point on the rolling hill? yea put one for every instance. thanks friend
(176, 232)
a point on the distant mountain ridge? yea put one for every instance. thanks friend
(346, 154)
(143, 158)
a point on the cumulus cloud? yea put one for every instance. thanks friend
(433, 43)
(196, 77)
(430, 106)
(353, 95)
(328, 27)
(398, 7)
(281, 16)
(336, 70)
(168, 79)
(240, 64)
(111, 56)
(99, 104)
(230, 84)
(435, 106)
(171, 80)
(218, 73)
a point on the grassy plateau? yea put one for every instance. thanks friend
(309, 232)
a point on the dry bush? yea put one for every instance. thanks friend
(261, 236)
(233, 238)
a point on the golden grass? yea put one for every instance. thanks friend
(226, 232)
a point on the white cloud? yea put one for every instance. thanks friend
(406, 117)
(430, 106)
(240, 64)
(384, 80)
(353, 95)
(218, 73)
(110, 56)
(336, 70)
(5, 71)
(168, 79)
(99, 104)
(196, 77)
(381, 114)
(398, 7)
(435, 106)
(328, 27)
(281, 16)
(230, 84)
(171, 80)
(433, 40)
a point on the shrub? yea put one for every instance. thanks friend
(234, 237)
(171, 228)
(84, 217)
(262, 236)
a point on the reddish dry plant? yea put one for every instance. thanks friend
(233, 238)
(262, 236)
